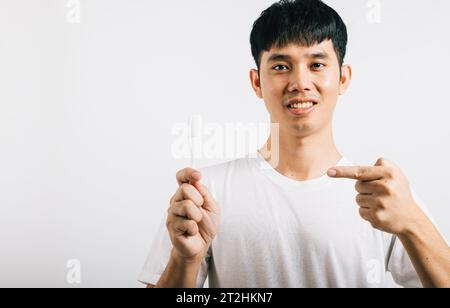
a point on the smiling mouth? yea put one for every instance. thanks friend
(304, 105)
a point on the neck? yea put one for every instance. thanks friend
(302, 158)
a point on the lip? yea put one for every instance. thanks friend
(302, 112)
(299, 100)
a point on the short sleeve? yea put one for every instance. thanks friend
(401, 267)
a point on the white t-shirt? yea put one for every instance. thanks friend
(278, 232)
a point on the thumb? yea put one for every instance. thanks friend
(188, 175)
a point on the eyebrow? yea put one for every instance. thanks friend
(279, 57)
(283, 57)
(318, 55)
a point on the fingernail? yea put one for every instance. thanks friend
(332, 173)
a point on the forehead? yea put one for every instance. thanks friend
(297, 51)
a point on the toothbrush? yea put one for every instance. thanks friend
(195, 125)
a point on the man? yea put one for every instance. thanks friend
(293, 221)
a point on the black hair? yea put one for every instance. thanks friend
(305, 22)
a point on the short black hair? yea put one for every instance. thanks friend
(305, 22)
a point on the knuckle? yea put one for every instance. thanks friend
(192, 224)
(186, 204)
(172, 199)
(362, 213)
(172, 208)
(188, 226)
(388, 190)
(201, 200)
(179, 174)
(359, 198)
(382, 204)
(194, 227)
(360, 172)
(391, 172)
(186, 210)
(359, 187)
(184, 187)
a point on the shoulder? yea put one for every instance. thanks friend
(219, 177)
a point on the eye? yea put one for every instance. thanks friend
(280, 67)
(318, 66)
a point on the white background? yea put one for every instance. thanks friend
(87, 111)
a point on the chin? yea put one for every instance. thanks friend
(301, 130)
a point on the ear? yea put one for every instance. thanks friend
(256, 82)
(346, 77)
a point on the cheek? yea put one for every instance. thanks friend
(329, 86)
(272, 87)
(273, 97)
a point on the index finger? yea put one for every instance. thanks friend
(188, 176)
(360, 173)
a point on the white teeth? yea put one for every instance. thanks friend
(302, 105)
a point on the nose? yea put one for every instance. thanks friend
(300, 81)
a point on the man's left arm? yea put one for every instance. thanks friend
(386, 201)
